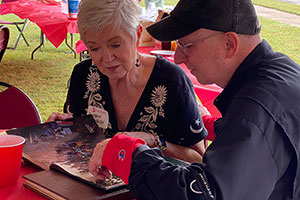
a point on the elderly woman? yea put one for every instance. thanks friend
(140, 95)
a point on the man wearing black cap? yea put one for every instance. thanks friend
(255, 154)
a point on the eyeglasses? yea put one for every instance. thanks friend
(184, 47)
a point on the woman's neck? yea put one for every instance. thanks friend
(137, 77)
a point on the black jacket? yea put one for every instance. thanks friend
(255, 155)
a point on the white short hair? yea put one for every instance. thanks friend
(98, 14)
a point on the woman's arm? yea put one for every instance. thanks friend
(59, 116)
(190, 154)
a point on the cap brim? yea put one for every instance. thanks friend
(169, 29)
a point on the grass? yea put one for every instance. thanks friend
(282, 37)
(44, 78)
(276, 4)
(279, 5)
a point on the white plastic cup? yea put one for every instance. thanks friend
(64, 6)
(158, 3)
(143, 11)
(151, 5)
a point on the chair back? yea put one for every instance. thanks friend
(4, 37)
(16, 108)
(6, 1)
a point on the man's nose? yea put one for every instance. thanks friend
(179, 56)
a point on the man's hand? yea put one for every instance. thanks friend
(99, 172)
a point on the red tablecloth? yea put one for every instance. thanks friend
(53, 23)
(18, 191)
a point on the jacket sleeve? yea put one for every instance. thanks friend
(117, 154)
(153, 178)
(148, 166)
(234, 168)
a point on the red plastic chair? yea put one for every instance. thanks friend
(4, 37)
(16, 108)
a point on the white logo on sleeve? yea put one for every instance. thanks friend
(197, 125)
(204, 183)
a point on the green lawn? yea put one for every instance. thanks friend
(44, 78)
(279, 5)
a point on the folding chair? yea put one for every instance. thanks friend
(21, 30)
(16, 108)
(4, 37)
(20, 25)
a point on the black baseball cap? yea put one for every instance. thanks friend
(237, 16)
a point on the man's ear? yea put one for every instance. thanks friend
(232, 44)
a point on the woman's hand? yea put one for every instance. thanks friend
(99, 172)
(147, 137)
(59, 116)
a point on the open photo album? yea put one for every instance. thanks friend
(66, 146)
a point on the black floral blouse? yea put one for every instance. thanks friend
(167, 106)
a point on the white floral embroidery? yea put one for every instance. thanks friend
(93, 86)
(93, 82)
(158, 99)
